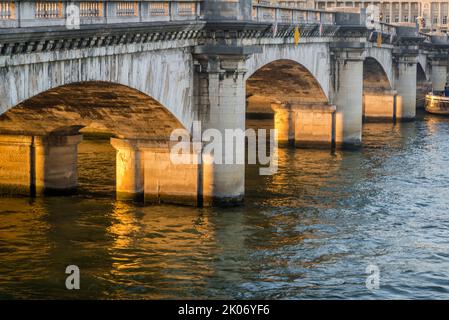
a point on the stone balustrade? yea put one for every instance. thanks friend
(16, 14)
(264, 11)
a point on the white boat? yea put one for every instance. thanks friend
(437, 104)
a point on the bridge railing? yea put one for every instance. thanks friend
(16, 14)
(264, 11)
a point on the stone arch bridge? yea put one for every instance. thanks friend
(140, 69)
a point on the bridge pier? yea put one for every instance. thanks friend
(348, 96)
(314, 125)
(33, 165)
(405, 83)
(422, 88)
(439, 74)
(284, 123)
(379, 105)
(145, 172)
(304, 125)
(222, 105)
(129, 168)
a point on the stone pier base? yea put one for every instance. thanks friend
(405, 84)
(314, 125)
(33, 165)
(284, 123)
(305, 126)
(146, 172)
(379, 106)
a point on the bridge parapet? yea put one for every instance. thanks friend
(19, 14)
(401, 36)
(264, 11)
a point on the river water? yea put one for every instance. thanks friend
(310, 231)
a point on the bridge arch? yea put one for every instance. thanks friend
(381, 62)
(39, 140)
(91, 106)
(378, 94)
(314, 59)
(164, 75)
(282, 81)
(423, 85)
(287, 88)
(422, 63)
(375, 76)
(421, 74)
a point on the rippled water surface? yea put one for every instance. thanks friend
(309, 231)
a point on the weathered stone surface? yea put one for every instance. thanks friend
(129, 169)
(56, 163)
(146, 172)
(405, 80)
(379, 105)
(314, 125)
(32, 165)
(439, 75)
(348, 97)
(166, 182)
(15, 165)
(284, 123)
(221, 102)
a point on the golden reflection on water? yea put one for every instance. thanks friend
(155, 243)
(434, 123)
(297, 227)
(21, 223)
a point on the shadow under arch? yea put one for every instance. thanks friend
(282, 81)
(379, 98)
(285, 95)
(423, 86)
(92, 106)
(40, 137)
(374, 76)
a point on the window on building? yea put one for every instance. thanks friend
(387, 19)
(445, 20)
(405, 18)
(435, 20)
(396, 19)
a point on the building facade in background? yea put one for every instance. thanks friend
(434, 13)
(310, 4)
